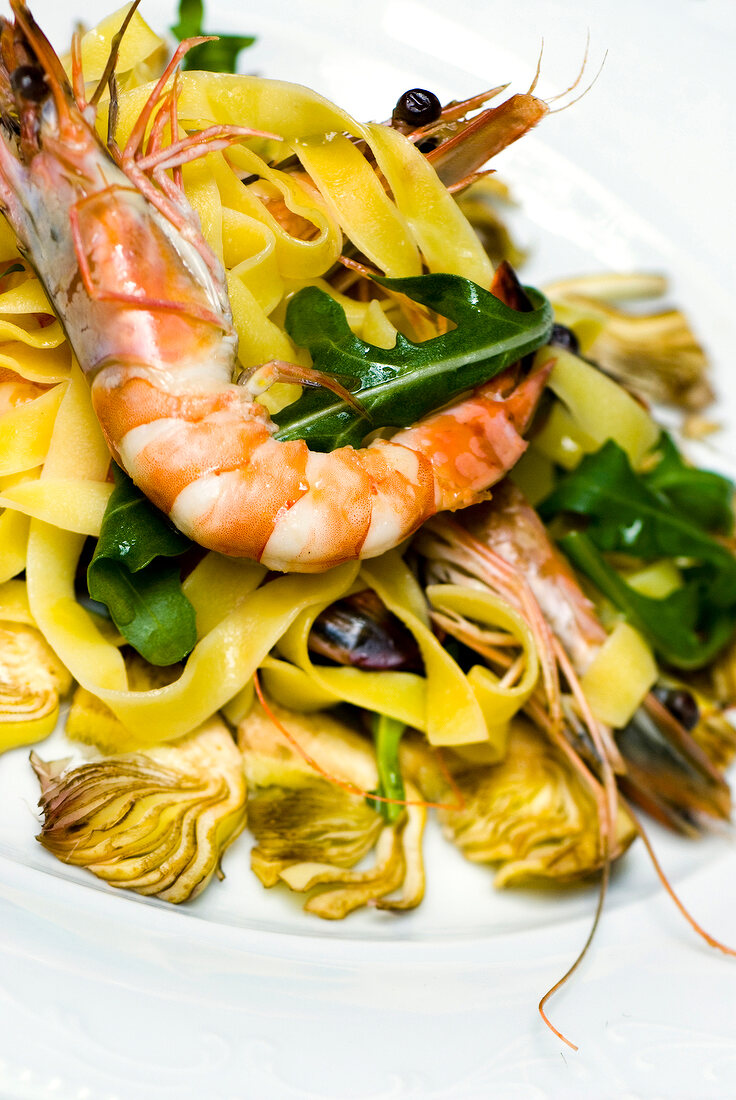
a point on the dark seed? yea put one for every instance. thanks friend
(418, 107)
(681, 705)
(564, 337)
(29, 83)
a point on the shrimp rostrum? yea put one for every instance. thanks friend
(144, 304)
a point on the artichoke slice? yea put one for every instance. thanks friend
(156, 822)
(529, 814)
(32, 679)
(310, 832)
(656, 354)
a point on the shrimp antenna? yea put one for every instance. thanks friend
(607, 825)
(585, 90)
(605, 876)
(112, 57)
(538, 70)
(112, 115)
(579, 77)
(77, 76)
(710, 940)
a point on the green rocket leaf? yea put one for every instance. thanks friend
(395, 388)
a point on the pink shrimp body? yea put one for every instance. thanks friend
(512, 528)
(144, 304)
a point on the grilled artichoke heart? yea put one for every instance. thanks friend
(31, 681)
(156, 822)
(310, 832)
(530, 814)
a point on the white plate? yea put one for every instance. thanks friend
(241, 994)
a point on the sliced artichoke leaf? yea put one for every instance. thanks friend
(156, 822)
(310, 831)
(529, 815)
(32, 681)
(363, 887)
(414, 880)
(656, 354)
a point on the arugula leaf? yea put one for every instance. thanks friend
(702, 496)
(684, 629)
(629, 517)
(398, 386)
(220, 56)
(638, 515)
(142, 593)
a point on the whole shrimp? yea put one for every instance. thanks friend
(144, 304)
(664, 769)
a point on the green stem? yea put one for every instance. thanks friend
(387, 734)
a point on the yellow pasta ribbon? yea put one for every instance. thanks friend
(452, 713)
(562, 440)
(296, 258)
(376, 328)
(13, 531)
(25, 431)
(15, 734)
(422, 216)
(289, 110)
(45, 365)
(499, 702)
(70, 504)
(14, 606)
(259, 339)
(13, 544)
(25, 301)
(599, 407)
(621, 674)
(218, 585)
(223, 660)
(657, 580)
(442, 232)
(442, 702)
(138, 43)
(77, 451)
(358, 200)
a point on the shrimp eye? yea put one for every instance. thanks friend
(29, 83)
(417, 107)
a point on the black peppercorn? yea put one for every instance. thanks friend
(417, 107)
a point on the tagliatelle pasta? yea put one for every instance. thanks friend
(594, 408)
(265, 262)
